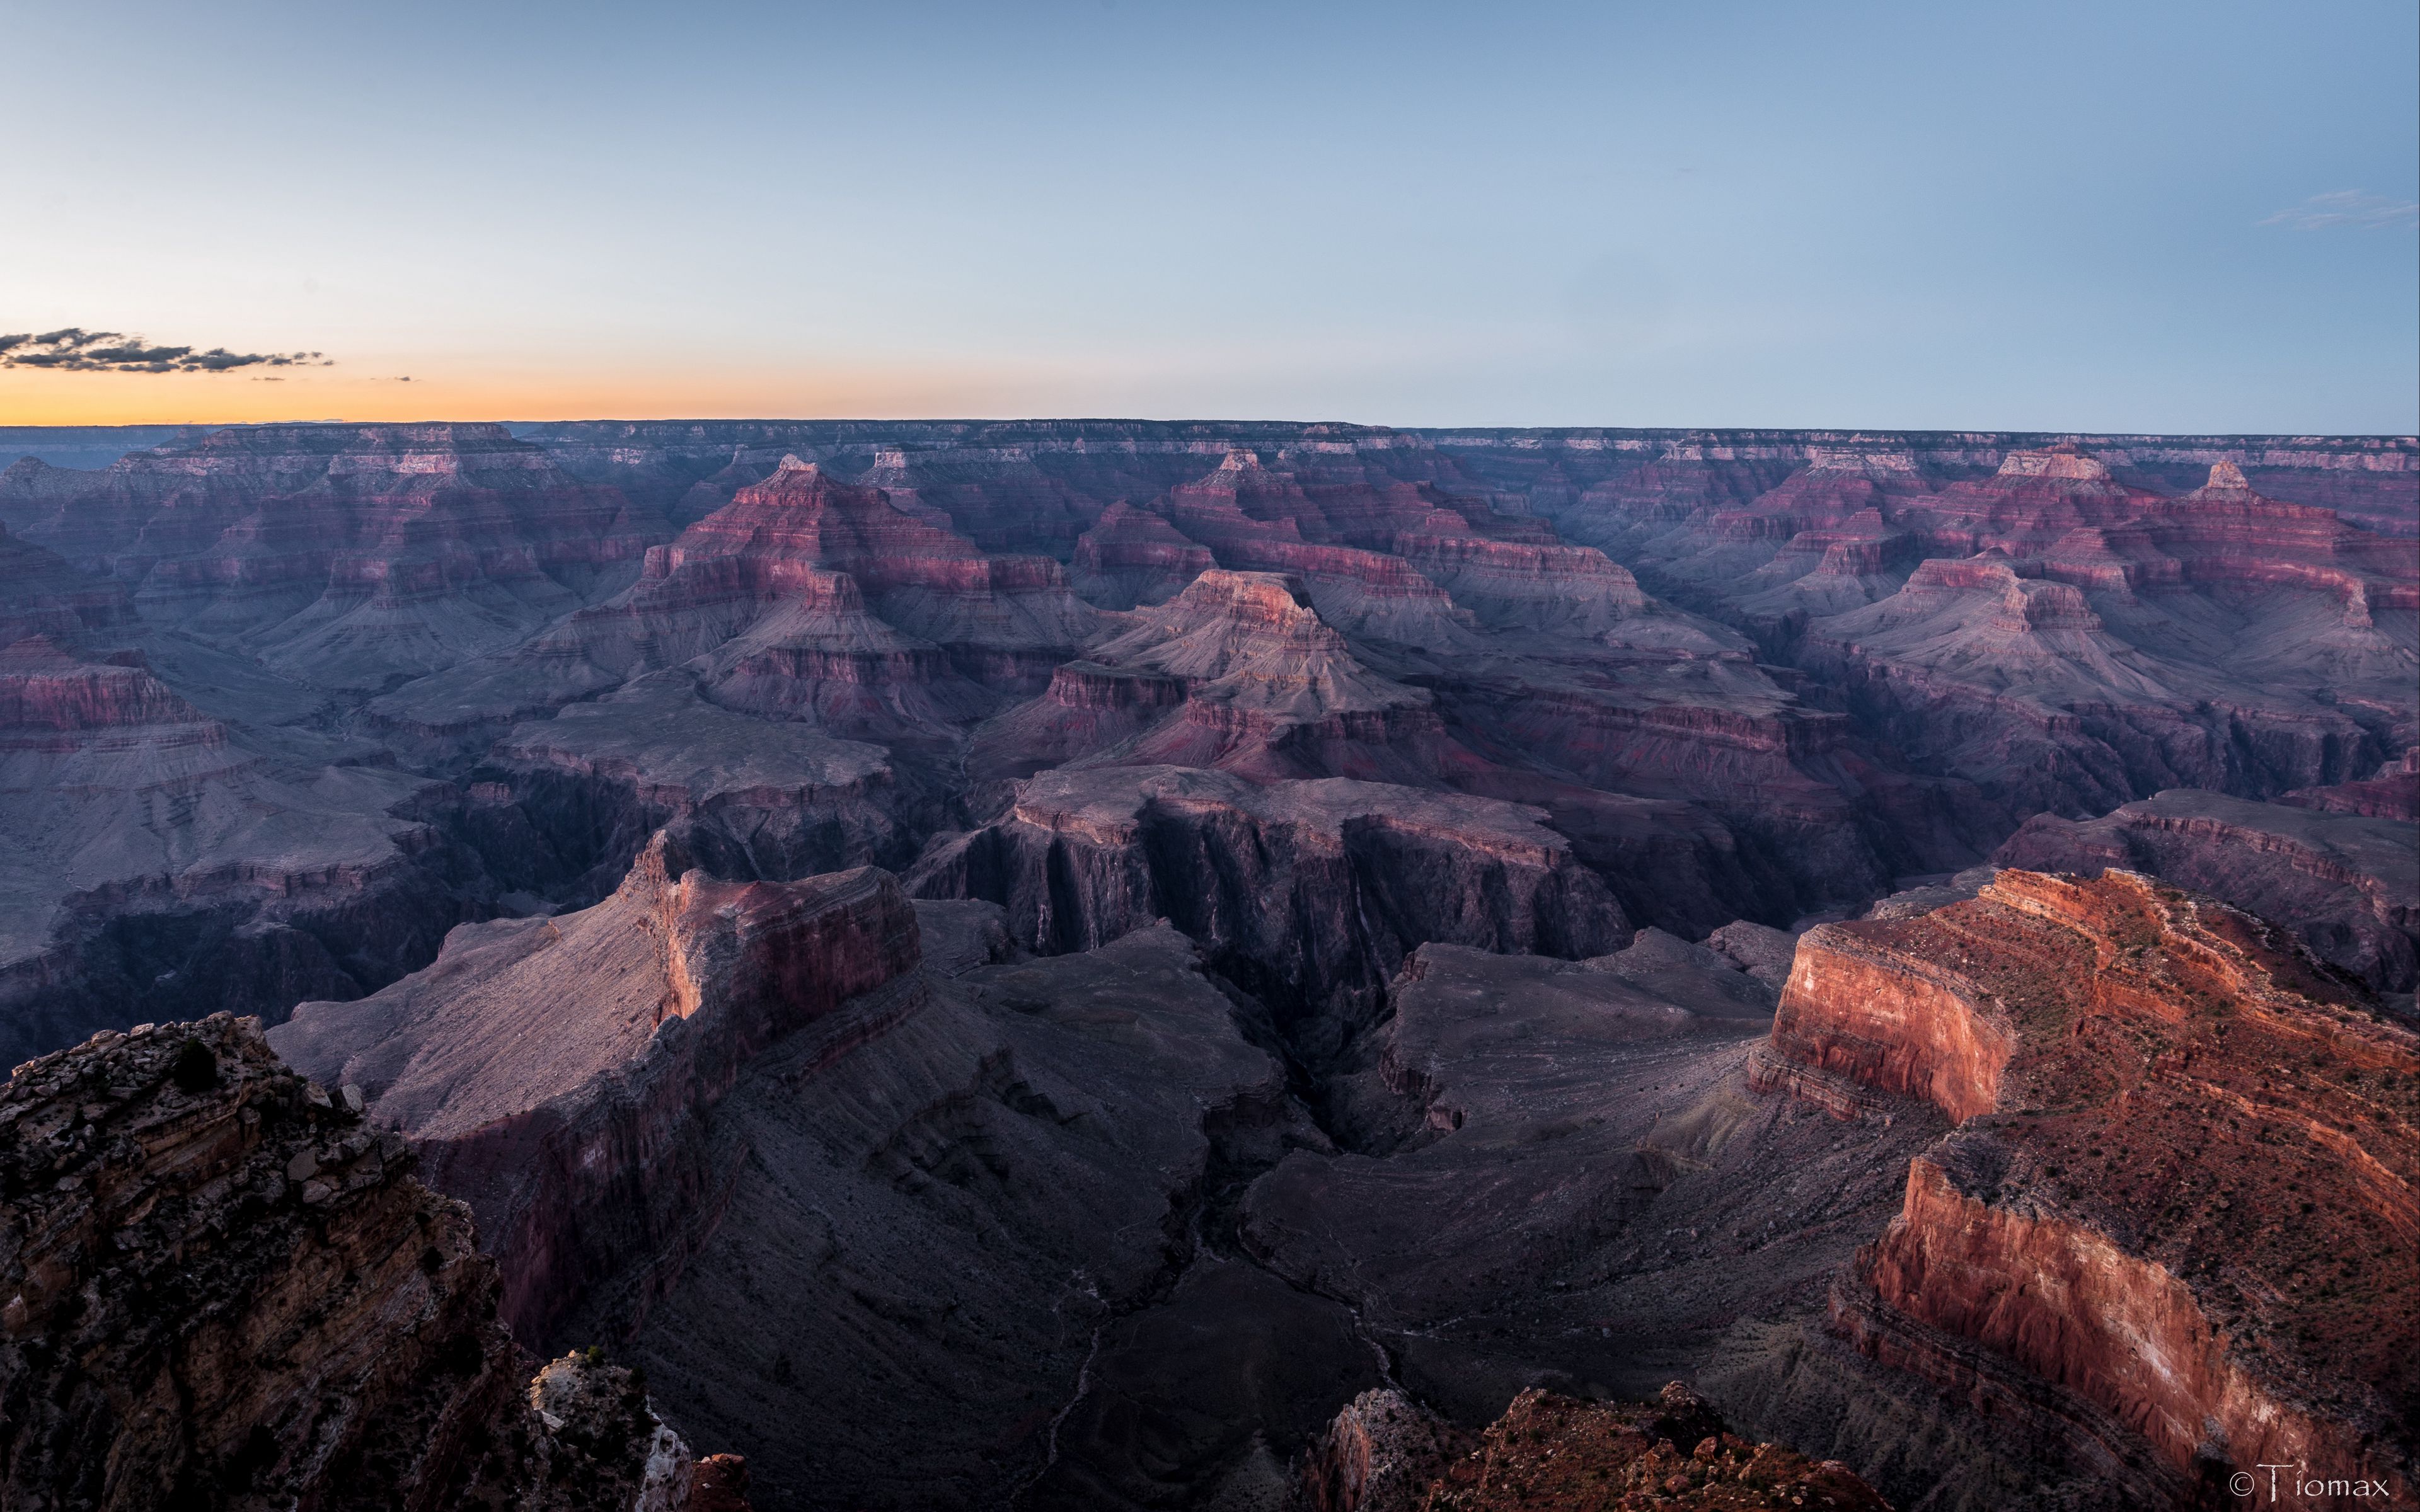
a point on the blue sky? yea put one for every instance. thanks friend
(2157, 217)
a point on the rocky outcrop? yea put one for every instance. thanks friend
(1004, 620)
(1311, 891)
(1381, 1454)
(2346, 885)
(803, 599)
(227, 1290)
(1559, 1452)
(2180, 1205)
(1240, 672)
(1088, 709)
(556, 1073)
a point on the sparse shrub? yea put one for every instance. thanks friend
(196, 1067)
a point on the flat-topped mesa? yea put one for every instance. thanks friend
(2069, 467)
(555, 1072)
(1316, 889)
(1132, 557)
(2184, 1199)
(227, 1289)
(1270, 603)
(1514, 585)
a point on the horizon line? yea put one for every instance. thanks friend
(1376, 427)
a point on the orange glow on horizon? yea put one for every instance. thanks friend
(871, 391)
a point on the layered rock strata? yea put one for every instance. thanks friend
(349, 557)
(2346, 885)
(227, 1290)
(2178, 1208)
(154, 859)
(1309, 891)
(574, 798)
(549, 1067)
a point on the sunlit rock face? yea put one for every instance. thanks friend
(554, 1072)
(2181, 1165)
(1142, 965)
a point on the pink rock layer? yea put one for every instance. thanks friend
(2185, 1188)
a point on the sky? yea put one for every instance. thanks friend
(2136, 217)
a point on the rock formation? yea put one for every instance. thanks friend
(1311, 891)
(1551, 1451)
(2346, 885)
(545, 1068)
(1382, 1454)
(1131, 557)
(2176, 1209)
(227, 1290)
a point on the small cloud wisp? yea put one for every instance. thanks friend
(74, 349)
(2347, 207)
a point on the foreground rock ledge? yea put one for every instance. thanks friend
(1385, 1453)
(223, 1289)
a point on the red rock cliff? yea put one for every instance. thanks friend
(2185, 1192)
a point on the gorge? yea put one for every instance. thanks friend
(1157, 964)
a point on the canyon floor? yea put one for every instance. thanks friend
(1128, 964)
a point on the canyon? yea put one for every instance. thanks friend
(1139, 964)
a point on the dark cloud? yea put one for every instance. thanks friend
(74, 349)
